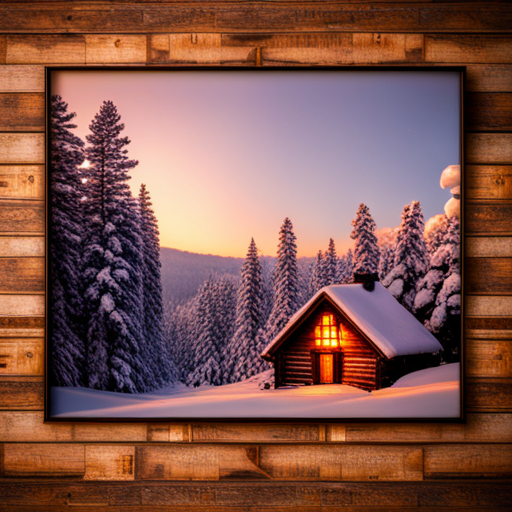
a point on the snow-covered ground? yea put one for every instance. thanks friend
(430, 393)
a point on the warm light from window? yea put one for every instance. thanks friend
(326, 333)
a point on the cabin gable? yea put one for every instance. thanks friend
(324, 351)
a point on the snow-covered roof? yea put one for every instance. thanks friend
(377, 314)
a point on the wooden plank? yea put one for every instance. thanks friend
(22, 112)
(21, 356)
(21, 327)
(22, 275)
(21, 78)
(22, 148)
(479, 428)
(494, 324)
(489, 78)
(488, 112)
(190, 49)
(21, 216)
(489, 182)
(21, 305)
(115, 49)
(248, 433)
(3, 48)
(488, 395)
(109, 462)
(486, 276)
(196, 462)
(44, 460)
(66, 19)
(338, 462)
(468, 461)
(488, 306)
(28, 427)
(21, 393)
(107, 432)
(22, 182)
(380, 48)
(454, 18)
(433, 496)
(475, 49)
(161, 432)
(489, 148)
(45, 49)
(488, 358)
(489, 218)
(22, 247)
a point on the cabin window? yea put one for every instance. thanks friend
(326, 331)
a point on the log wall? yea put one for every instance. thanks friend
(265, 467)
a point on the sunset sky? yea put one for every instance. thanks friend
(227, 155)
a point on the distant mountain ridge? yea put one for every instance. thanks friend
(184, 272)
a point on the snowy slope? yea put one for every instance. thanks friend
(433, 393)
(394, 330)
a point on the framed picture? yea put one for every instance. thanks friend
(254, 244)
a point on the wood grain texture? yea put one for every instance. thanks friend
(489, 148)
(22, 112)
(489, 358)
(468, 49)
(46, 49)
(109, 462)
(21, 217)
(481, 247)
(488, 182)
(21, 247)
(22, 275)
(22, 182)
(488, 112)
(21, 327)
(489, 78)
(22, 356)
(21, 148)
(468, 461)
(21, 393)
(21, 78)
(115, 49)
(281, 496)
(489, 218)
(44, 460)
(21, 305)
(488, 276)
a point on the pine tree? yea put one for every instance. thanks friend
(331, 260)
(366, 253)
(241, 356)
(345, 268)
(163, 368)
(285, 284)
(438, 299)
(436, 235)
(113, 263)
(215, 320)
(66, 238)
(318, 273)
(411, 258)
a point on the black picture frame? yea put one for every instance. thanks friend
(169, 69)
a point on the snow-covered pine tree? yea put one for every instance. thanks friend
(66, 237)
(318, 273)
(113, 264)
(345, 268)
(165, 371)
(285, 281)
(304, 269)
(411, 258)
(241, 354)
(387, 258)
(331, 260)
(215, 320)
(268, 265)
(435, 232)
(438, 298)
(366, 252)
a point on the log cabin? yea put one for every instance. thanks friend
(351, 334)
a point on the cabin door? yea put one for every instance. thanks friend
(326, 368)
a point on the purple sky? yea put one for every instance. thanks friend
(227, 155)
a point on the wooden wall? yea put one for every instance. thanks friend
(221, 467)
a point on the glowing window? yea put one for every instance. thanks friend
(326, 332)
